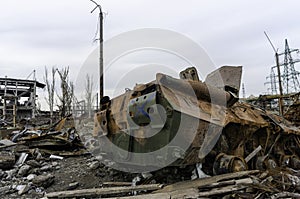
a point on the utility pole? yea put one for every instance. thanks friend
(100, 46)
(280, 103)
(280, 85)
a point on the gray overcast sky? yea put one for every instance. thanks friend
(38, 33)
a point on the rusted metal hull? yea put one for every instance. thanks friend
(154, 116)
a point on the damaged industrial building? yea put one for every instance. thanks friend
(18, 98)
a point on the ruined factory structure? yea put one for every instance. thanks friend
(18, 98)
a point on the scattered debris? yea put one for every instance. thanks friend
(253, 153)
(6, 143)
(21, 159)
(23, 170)
(73, 185)
(43, 180)
(33, 163)
(30, 177)
(56, 157)
(22, 189)
(293, 112)
(7, 159)
(4, 189)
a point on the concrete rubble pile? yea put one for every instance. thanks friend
(56, 139)
(28, 154)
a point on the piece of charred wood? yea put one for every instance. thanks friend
(244, 181)
(102, 191)
(188, 193)
(222, 190)
(206, 181)
(117, 183)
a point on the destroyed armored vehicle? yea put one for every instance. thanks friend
(183, 122)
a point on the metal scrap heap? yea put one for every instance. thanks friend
(38, 141)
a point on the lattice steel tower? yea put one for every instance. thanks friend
(272, 80)
(289, 75)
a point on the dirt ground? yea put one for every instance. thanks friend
(77, 169)
(69, 173)
(80, 172)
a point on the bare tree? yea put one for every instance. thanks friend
(50, 86)
(89, 93)
(67, 92)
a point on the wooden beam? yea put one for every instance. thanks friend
(243, 181)
(222, 190)
(102, 191)
(148, 196)
(117, 183)
(188, 193)
(205, 181)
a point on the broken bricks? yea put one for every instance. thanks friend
(43, 180)
(23, 170)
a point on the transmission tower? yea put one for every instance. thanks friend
(272, 81)
(244, 91)
(289, 75)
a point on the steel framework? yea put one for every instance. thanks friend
(289, 75)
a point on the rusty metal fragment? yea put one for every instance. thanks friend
(227, 78)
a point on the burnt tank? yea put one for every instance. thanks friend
(182, 122)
